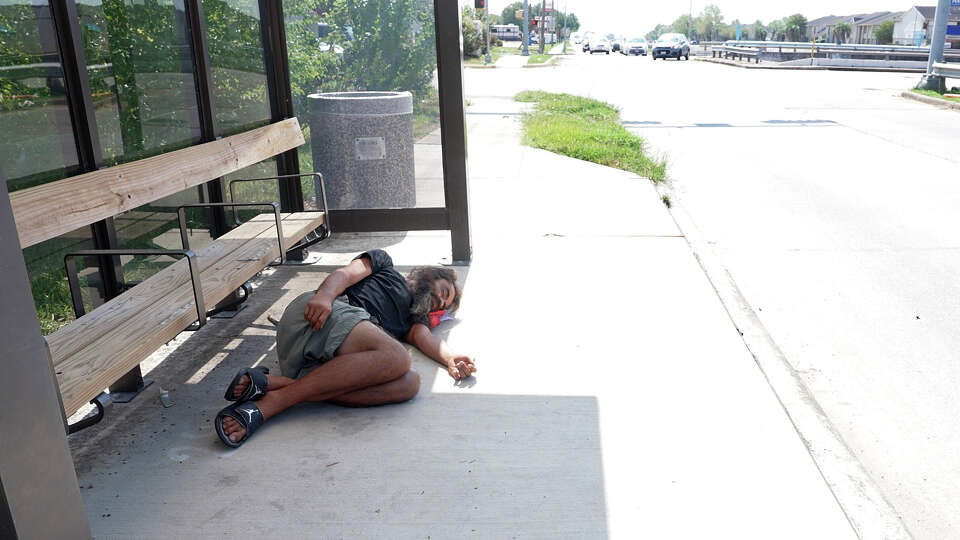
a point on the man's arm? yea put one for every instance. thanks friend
(458, 366)
(338, 281)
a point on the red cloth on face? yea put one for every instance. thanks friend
(436, 317)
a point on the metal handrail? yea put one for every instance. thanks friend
(316, 176)
(182, 217)
(74, 281)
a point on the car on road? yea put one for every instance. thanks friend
(671, 46)
(617, 44)
(635, 46)
(600, 46)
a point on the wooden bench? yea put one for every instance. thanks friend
(98, 348)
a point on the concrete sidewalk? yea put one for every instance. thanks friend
(512, 61)
(614, 398)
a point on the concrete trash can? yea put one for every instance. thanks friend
(363, 146)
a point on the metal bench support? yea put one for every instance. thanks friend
(319, 234)
(132, 383)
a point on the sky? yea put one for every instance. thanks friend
(637, 17)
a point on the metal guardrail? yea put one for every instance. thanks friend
(946, 70)
(736, 52)
(851, 50)
(806, 45)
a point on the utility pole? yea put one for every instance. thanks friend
(525, 50)
(486, 22)
(543, 22)
(937, 42)
(690, 22)
(565, 15)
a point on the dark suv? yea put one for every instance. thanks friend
(671, 46)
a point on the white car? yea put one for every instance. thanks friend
(600, 46)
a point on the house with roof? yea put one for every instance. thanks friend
(915, 26)
(822, 29)
(865, 26)
(862, 26)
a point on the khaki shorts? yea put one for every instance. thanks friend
(301, 349)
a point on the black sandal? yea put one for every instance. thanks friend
(247, 414)
(255, 390)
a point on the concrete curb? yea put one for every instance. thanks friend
(746, 65)
(946, 104)
(481, 66)
(870, 515)
(807, 68)
(548, 63)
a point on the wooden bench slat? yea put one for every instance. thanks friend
(49, 210)
(146, 322)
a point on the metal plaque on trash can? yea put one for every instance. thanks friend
(369, 148)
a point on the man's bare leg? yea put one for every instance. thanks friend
(395, 391)
(368, 357)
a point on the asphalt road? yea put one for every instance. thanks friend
(833, 202)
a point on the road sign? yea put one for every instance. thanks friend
(548, 6)
(953, 30)
(518, 14)
(547, 20)
(955, 2)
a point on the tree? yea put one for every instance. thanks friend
(472, 30)
(759, 31)
(509, 14)
(796, 27)
(842, 31)
(658, 31)
(683, 25)
(709, 21)
(884, 33)
(776, 29)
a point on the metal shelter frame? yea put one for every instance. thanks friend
(36, 469)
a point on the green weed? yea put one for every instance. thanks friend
(586, 129)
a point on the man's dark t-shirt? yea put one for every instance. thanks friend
(383, 294)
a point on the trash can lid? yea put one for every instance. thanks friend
(362, 103)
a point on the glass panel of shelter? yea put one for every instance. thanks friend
(36, 138)
(37, 145)
(142, 81)
(237, 64)
(370, 155)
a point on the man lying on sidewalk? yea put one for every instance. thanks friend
(345, 350)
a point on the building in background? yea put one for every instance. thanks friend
(864, 26)
(914, 26)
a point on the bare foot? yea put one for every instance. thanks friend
(241, 386)
(234, 430)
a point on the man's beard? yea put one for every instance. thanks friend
(422, 303)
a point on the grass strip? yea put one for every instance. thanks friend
(496, 53)
(586, 129)
(538, 58)
(938, 95)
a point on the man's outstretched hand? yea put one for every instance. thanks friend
(462, 368)
(318, 310)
